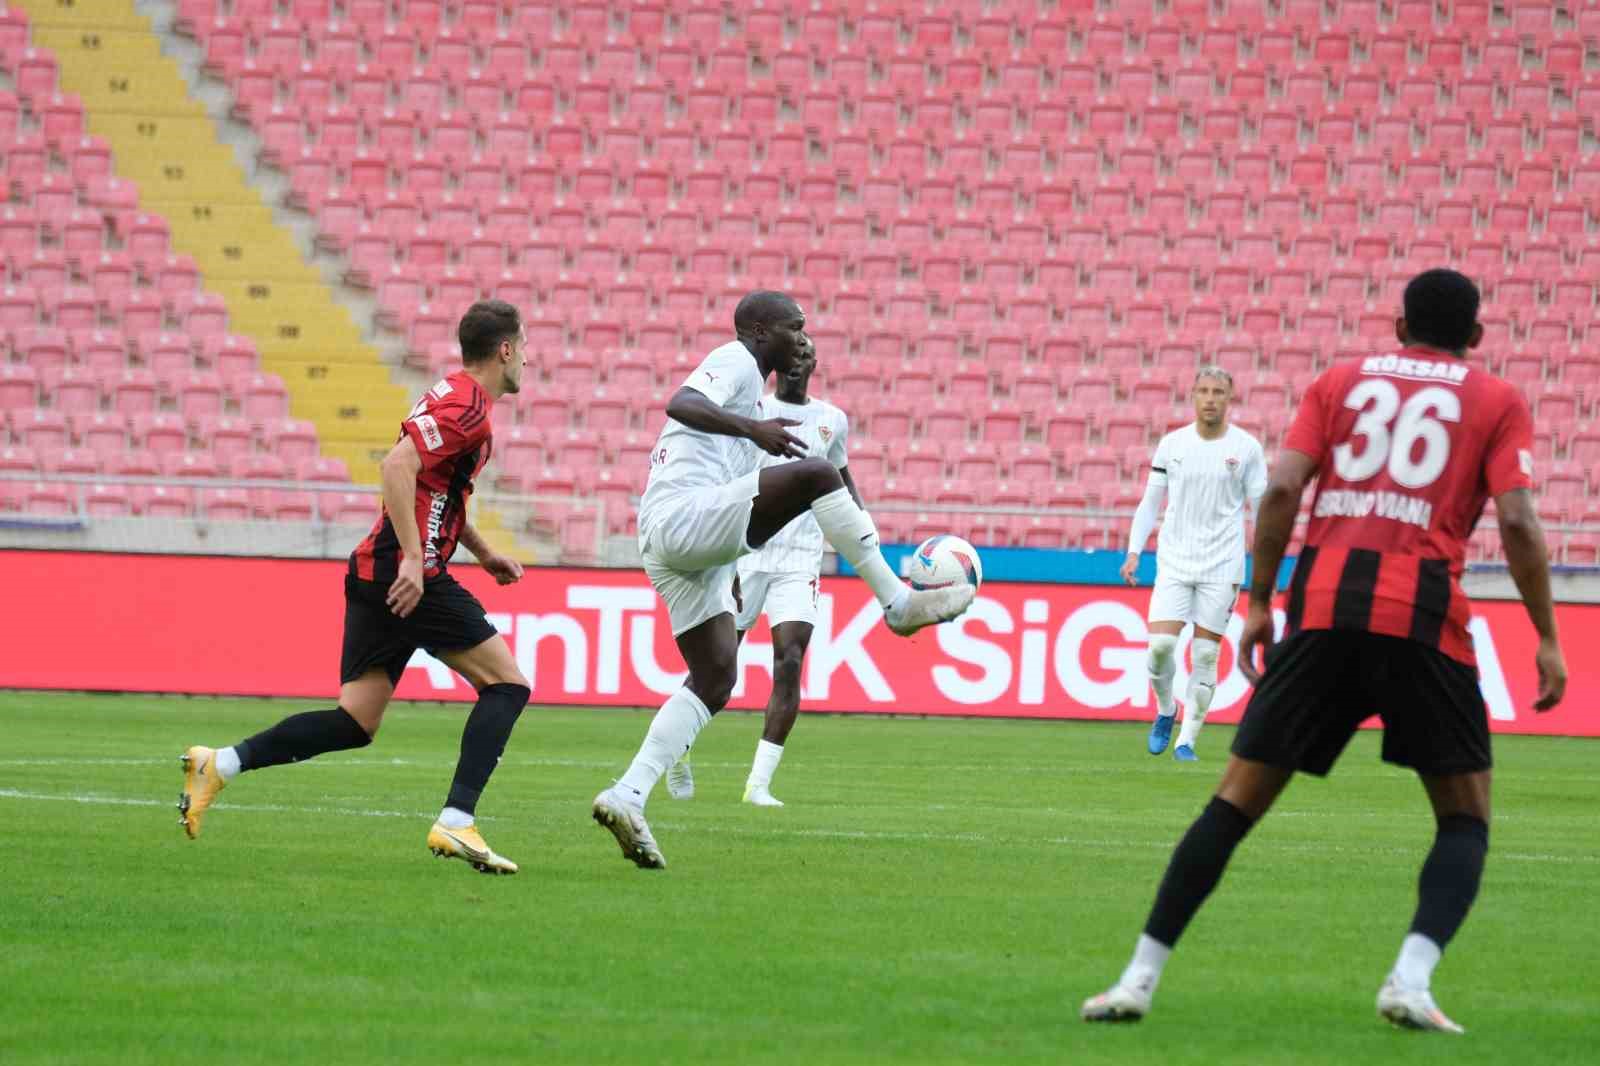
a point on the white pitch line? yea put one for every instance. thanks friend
(771, 831)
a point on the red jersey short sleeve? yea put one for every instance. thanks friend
(1409, 447)
(1508, 464)
(450, 428)
(1308, 433)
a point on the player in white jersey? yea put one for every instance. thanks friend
(708, 502)
(1208, 475)
(783, 579)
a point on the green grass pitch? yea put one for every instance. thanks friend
(937, 891)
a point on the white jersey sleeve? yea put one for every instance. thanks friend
(838, 448)
(686, 458)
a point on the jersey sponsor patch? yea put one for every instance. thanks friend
(430, 432)
(441, 390)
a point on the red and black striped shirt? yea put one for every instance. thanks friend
(1409, 447)
(450, 427)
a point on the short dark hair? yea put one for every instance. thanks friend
(1441, 309)
(484, 326)
(762, 308)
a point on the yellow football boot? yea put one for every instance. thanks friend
(468, 844)
(201, 783)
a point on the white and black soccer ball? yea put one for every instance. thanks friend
(943, 561)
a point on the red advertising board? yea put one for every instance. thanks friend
(271, 627)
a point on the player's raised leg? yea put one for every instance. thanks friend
(1204, 650)
(788, 491)
(1247, 790)
(352, 724)
(710, 650)
(502, 694)
(789, 641)
(1446, 889)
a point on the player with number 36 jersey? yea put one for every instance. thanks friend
(1407, 447)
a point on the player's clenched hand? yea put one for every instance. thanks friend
(504, 569)
(1552, 675)
(406, 591)
(773, 437)
(1128, 568)
(1257, 633)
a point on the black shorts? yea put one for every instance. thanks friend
(1320, 685)
(447, 618)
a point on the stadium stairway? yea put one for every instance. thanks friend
(135, 98)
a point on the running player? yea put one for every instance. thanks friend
(709, 501)
(399, 597)
(1209, 475)
(783, 579)
(1407, 447)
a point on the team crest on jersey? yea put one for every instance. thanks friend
(825, 433)
(1233, 464)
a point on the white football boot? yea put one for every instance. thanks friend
(928, 607)
(1413, 1008)
(624, 817)
(1119, 1003)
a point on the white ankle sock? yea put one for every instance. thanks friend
(852, 534)
(1202, 686)
(1163, 665)
(227, 764)
(672, 733)
(454, 818)
(765, 765)
(1418, 956)
(1144, 969)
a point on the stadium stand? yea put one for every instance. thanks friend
(1015, 225)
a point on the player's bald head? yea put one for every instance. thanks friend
(763, 308)
(1441, 309)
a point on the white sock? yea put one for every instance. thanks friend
(672, 733)
(766, 764)
(227, 764)
(1144, 969)
(1418, 956)
(454, 818)
(1202, 686)
(1163, 664)
(852, 534)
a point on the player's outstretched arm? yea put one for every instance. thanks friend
(399, 473)
(698, 411)
(1144, 522)
(1529, 560)
(1274, 526)
(504, 569)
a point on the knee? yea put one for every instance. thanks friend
(1163, 650)
(787, 663)
(714, 685)
(821, 477)
(1205, 654)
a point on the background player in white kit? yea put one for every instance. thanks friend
(707, 503)
(1209, 475)
(783, 578)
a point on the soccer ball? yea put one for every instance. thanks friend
(943, 561)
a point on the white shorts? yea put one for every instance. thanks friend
(690, 543)
(1208, 604)
(786, 597)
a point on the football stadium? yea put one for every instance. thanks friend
(839, 453)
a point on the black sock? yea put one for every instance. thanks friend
(1450, 876)
(483, 740)
(301, 736)
(1195, 869)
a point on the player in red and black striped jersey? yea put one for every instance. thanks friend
(399, 597)
(1407, 447)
